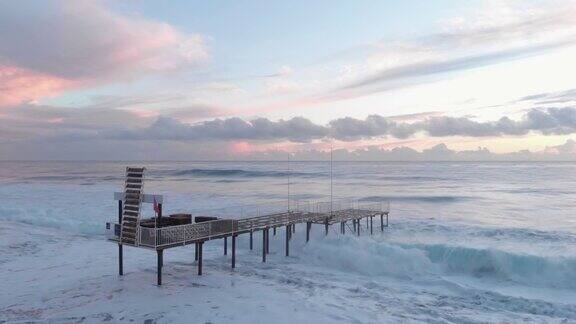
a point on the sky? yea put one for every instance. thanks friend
(210, 80)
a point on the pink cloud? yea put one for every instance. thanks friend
(241, 148)
(19, 85)
(53, 46)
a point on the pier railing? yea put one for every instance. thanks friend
(258, 217)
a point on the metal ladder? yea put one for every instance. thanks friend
(133, 191)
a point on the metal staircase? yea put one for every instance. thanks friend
(133, 191)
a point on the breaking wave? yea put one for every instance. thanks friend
(369, 257)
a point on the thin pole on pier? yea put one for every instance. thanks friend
(331, 191)
(233, 251)
(120, 248)
(160, 263)
(196, 252)
(251, 236)
(288, 230)
(225, 245)
(288, 187)
(200, 244)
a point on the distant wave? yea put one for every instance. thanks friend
(241, 173)
(428, 199)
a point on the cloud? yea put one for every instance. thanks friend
(560, 97)
(550, 121)
(500, 32)
(19, 85)
(79, 42)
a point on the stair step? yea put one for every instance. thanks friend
(131, 208)
(130, 213)
(134, 180)
(131, 201)
(134, 174)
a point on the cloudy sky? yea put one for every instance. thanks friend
(205, 80)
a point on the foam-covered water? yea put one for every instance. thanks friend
(503, 232)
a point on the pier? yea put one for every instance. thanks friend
(179, 230)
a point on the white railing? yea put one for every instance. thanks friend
(256, 217)
(182, 234)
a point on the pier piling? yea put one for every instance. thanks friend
(200, 244)
(226, 245)
(288, 230)
(263, 245)
(160, 264)
(233, 251)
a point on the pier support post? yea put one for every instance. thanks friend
(160, 264)
(382, 222)
(251, 237)
(120, 248)
(293, 229)
(308, 228)
(195, 251)
(326, 227)
(366, 222)
(371, 225)
(263, 245)
(386, 219)
(225, 245)
(120, 260)
(358, 221)
(267, 240)
(233, 251)
(200, 244)
(274, 230)
(288, 230)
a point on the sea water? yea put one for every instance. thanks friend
(467, 242)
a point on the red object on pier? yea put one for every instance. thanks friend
(156, 207)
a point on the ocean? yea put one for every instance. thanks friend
(469, 242)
